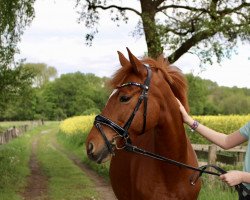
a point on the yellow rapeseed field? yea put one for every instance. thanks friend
(223, 123)
(77, 124)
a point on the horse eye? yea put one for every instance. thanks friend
(124, 99)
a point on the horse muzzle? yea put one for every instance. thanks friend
(99, 157)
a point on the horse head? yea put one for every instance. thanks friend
(128, 112)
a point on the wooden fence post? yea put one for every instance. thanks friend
(212, 157)
(212, 154)
(240, 157)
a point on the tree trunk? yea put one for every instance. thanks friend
(148, 20)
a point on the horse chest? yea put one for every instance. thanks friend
(140, 179)
(136, 179)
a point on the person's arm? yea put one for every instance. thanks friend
(220, 139)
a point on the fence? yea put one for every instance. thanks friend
(14, 132)
(213, 154)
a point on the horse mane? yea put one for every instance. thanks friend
(172, 75)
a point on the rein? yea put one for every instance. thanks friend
(241, 189)
(122, 132)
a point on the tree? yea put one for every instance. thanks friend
(43, 73)
(15, 15)
(15, 90)
(231, 100)
(73, 94)
(197, 94)
(207, 28)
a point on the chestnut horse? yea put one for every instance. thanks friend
(143, 110)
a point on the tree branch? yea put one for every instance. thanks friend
(93, 6)
(183, 7)
(181, 33)
(242, 14)
(195, 39)
(159, 2)
(178, 30)
(231, 10)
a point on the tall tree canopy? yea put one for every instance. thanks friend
(42, 73)
(14, 85)
(208, 28)
(74, 94)
(15, 15)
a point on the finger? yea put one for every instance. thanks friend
(222, 177)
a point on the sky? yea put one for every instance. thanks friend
(57, 39)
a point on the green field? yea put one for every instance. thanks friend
(73, 132)
(65, 179)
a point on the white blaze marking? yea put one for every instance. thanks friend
(114, 91)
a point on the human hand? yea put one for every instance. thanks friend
(232, 178)
(186, 118)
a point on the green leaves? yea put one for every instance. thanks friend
(179, 27)
(74, 94)
(15, 15)
(207, 98)
(15, 83)
(42, 73)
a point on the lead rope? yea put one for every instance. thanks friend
(240, 187)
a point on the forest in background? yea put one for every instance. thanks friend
(45, 96)
(207, 29)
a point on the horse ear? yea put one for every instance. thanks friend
(136, 64)
(124, 61)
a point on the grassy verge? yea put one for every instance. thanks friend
(5, 125)
(212, 189)
(78, 149)
(74, 131)
(66, 181)
(14, 158)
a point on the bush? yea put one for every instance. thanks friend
(92, 111)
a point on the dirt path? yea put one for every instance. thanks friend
(37, 181)
(37, 186)
(103, 187)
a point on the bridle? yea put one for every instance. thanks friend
(122, 132)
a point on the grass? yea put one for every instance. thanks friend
(9, 124)
(78, 148)
(66, 180)
(14, 158)
(4, 125)
(212, 189)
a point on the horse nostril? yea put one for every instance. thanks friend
(90, 148)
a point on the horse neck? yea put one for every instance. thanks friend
(170, 136)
